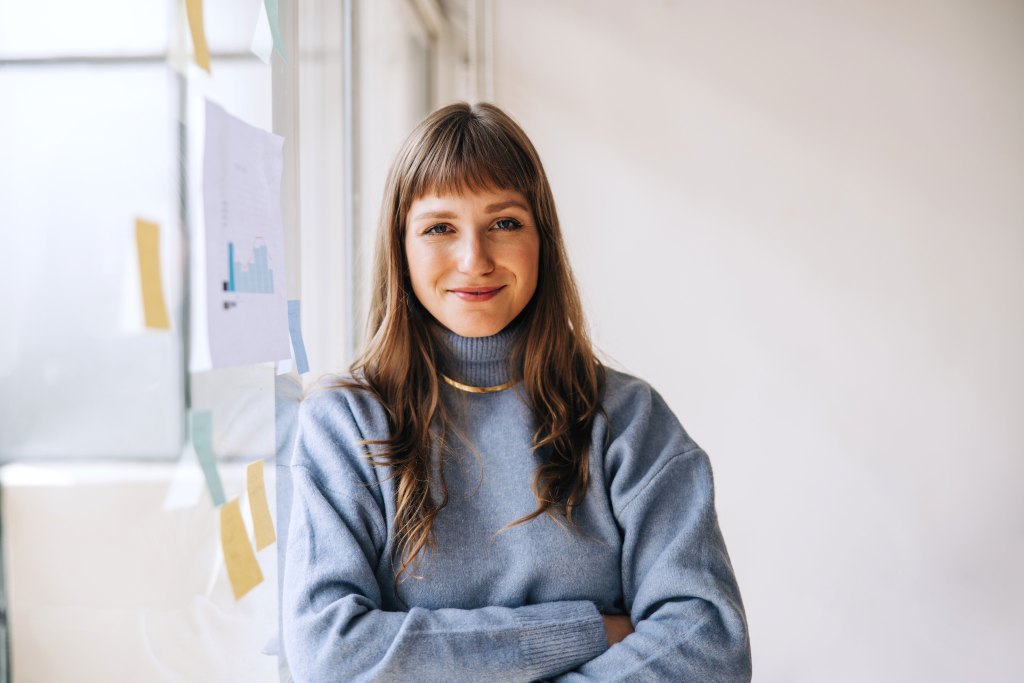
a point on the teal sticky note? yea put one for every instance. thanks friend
(201, 431)
(295, 329)
(274, 17)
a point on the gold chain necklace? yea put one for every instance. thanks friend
(477, 390)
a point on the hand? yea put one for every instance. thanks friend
(616, 627)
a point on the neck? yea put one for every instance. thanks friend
(480, 361)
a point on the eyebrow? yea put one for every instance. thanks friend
(501, 206)
(491, 208)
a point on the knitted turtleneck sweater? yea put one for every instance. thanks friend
(525, 604)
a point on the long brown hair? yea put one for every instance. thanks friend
(456, 149)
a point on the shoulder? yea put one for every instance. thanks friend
(643, 435)
(340, 401)
(335, 418)
(637, 412)
(621, 388)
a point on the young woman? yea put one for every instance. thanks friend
(481, 499)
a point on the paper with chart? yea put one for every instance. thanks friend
(247, 311)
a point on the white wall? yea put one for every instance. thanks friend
(803, 223)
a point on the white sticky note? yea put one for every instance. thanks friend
(262, 39)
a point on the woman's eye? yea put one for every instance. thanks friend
(508, 224)
(438, 229)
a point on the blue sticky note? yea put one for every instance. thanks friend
(274, 17)
(201, 432)
(295, 328)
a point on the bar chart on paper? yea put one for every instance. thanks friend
(253, 275)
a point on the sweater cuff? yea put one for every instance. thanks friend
(559, 636)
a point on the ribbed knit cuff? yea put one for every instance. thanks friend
(559, 636)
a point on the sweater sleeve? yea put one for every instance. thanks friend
(333, 626)
(678, 583)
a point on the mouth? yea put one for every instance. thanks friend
(476, 293)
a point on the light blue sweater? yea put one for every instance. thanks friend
(524, 605)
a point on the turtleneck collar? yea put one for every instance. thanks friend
(481, 361)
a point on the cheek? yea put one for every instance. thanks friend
(423, 267)
(413, 266)
(530, 265)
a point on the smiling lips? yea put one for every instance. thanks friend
(476, 293)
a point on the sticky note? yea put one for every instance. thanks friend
(262, 524)
(239, 558)
(177, 45)
(295, 329)
(194, 9)
(274, 17)
(186, 489)
(262, 40)
(201, 429)
(147, 240)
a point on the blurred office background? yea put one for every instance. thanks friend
(801, 222)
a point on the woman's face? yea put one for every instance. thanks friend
(473, 258)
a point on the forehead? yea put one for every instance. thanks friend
(468, 200)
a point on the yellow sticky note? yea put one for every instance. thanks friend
(239, 558)
(147, 240)
(262, 523)
(194, 9)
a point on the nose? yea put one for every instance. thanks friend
(475, 258)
